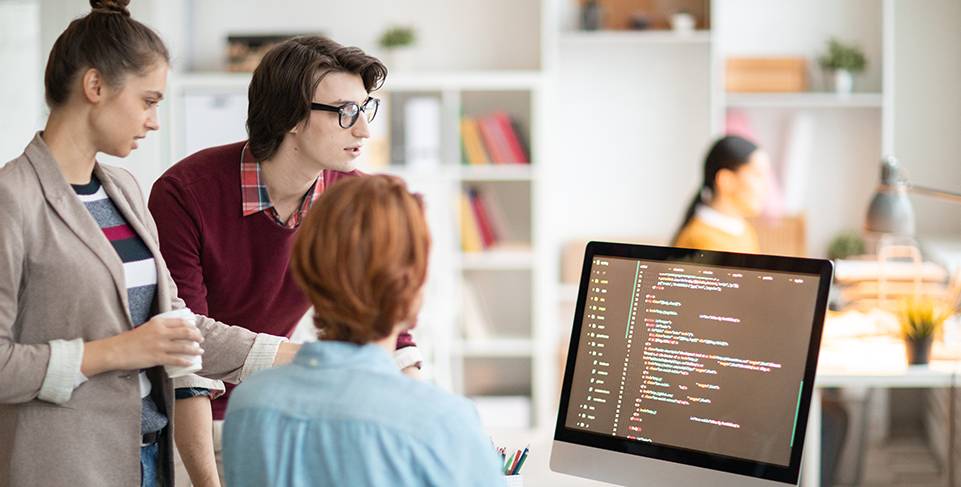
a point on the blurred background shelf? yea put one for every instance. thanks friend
(804, 100)
(601, 39)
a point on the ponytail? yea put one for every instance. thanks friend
(730, 152)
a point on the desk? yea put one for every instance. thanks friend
(935, 375)
(858, 350)
(876, 361)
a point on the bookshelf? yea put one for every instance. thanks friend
(496, 368)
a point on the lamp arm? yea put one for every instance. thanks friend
(936, 193)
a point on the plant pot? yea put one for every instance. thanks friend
(843, 82)
(399, 58)
(918, 350)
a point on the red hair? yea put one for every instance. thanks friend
(361, 258)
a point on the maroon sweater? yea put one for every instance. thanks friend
(229, 267)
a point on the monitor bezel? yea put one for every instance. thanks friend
(823, 269)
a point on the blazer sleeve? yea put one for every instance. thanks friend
(22, 367)
(231, 353)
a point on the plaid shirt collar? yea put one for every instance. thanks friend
(254, 197)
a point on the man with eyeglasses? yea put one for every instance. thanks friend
(227, 215)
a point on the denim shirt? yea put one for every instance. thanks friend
(343, 414)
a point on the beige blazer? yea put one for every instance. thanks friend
(60, 279)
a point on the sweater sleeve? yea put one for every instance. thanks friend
(179, 228)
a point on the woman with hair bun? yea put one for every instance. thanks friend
(85, 398)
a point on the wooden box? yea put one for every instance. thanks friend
(756, 75)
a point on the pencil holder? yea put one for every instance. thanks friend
(514, 481)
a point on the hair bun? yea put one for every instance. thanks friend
(111, 6)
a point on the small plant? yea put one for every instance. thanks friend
(397, 36)
(922, 317)
(843, 57)
(845, 245)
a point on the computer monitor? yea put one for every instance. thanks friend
(690, 367)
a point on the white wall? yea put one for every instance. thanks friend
(927, 124)
(20, 86)
(631, 124)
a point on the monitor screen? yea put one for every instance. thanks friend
(702, 357)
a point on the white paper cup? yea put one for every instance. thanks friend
(180, 371)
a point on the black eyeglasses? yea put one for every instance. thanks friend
(350, 111)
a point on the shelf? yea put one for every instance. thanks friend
(804, 100)
(603, 37)
(495, 347)
(464, 80)
(421, 81)
(497, 172)
(497, 260)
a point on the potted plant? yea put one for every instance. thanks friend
(843, 61)
(921, 318)
(397, 42)
(846, 244)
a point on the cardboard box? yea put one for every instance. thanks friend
(757, 75)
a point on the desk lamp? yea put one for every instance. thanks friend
(890, 211)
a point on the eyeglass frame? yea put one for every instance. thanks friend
(339, 110)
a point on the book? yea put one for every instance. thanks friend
(496, 217)
(476, 322)
(470, 239)
(423, 129)
(481, 216)
(494, 140)
(516, 151)
(475, 153)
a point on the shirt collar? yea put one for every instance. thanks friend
(326, 354)
(254, 197)
(725, 223)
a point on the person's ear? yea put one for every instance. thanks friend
(302, 125)
(725, 181)
(92, 85)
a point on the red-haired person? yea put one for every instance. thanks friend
(342, 413)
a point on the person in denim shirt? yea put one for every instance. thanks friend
(342, 413)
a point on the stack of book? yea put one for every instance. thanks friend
(482, 222)
(492, 139)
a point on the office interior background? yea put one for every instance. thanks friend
(612, 124)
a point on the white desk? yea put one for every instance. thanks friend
(935, 375)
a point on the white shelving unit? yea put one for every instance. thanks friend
(500, 367)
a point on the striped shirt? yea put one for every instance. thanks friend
(140, 273)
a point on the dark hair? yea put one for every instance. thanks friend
(361, 257)
(730, 152)
(108, 40)
(284, 82)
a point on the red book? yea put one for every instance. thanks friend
(483, 220)
(493, 140)
(511, 139)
